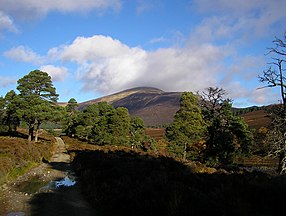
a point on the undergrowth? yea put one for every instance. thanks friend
(120, 181)
(17, 155)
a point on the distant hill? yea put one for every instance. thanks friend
(257, 119)
(153, 105)
(157, 107)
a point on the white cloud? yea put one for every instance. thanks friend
(144, 6)
(34, 8)
(106, 65)
(265, 96)
(239, 19)
(57, 73)
(6, 23)
(24, 54)
(158, 40)
(97, 47)
(6, 81)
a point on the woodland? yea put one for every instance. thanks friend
(196, 166)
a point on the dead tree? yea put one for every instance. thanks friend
(274, 77)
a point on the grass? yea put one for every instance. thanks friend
(17, 155)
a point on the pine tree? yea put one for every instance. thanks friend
(10, 118)
(37, 98)
(188, 127)
(227, 134)
(70, 121)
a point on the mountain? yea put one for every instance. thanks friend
(153, 105)
(157, 107)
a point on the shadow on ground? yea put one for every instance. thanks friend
(128, 183)
(62, 201)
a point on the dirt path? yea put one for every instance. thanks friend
(35, 193)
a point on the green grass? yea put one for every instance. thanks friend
(18, 171)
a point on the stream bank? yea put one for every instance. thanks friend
(48, 189)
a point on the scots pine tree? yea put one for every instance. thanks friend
(187, 129)
(37, 98)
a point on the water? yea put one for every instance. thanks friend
(16, 214)
(31, 186)
(67, 181)
(34, 184)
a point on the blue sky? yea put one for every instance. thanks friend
(93, 48)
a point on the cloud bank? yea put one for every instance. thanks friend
(56, 73)
(30, 9)
(233, 19)
(106, 65)
(24, 54)
(6, 81)
(209, 56)
(6, 23)
(11, 10)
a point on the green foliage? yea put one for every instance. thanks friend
(69, 122)
(188, 127)
(227, 134)
(38, 83)
(276, 137)
(102, 124)
(2, 111)
(36, 100)
(72, 104)
(137, 132)
(112, 126)
(11, 119)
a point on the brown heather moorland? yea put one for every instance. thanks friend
(17, 155)
(118, 182)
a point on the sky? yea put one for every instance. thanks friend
(92, 48)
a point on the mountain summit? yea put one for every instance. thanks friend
(153, 105)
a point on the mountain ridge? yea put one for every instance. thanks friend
(157, 107)
(153, 105)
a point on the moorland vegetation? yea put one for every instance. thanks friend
(119, 166)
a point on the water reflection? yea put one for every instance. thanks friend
(66, 182)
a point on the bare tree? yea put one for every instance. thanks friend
(274, 76)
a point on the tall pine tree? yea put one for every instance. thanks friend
(38, 96)
(187, 129)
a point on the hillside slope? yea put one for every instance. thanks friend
(157, 107)
(257, 119)
(153, 105)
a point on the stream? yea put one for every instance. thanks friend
(50, 189)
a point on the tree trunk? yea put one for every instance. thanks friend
(37, 134)
(282, 86)
(282, 163)
(31, 133)
(37, 130)
(185, 152)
